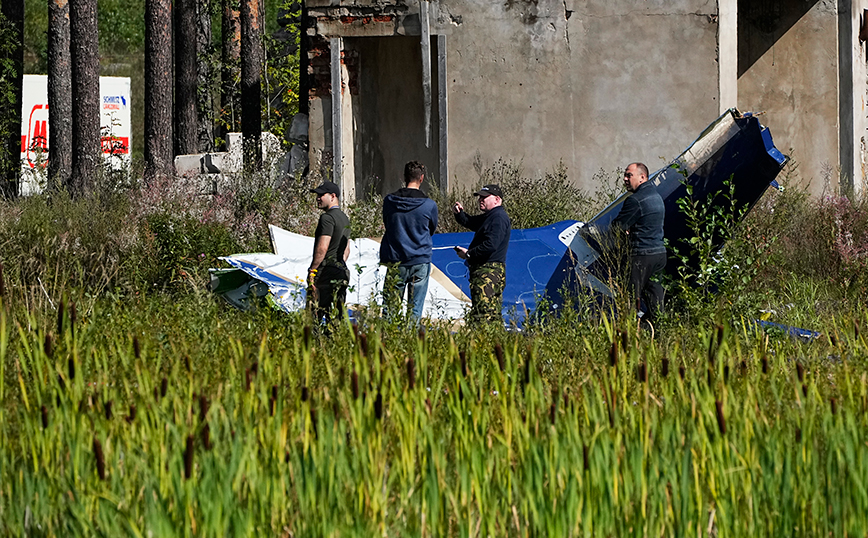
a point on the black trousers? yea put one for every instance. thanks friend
(646, 292)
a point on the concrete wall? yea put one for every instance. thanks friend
(788, 68)
(597, 84)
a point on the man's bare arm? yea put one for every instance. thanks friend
(347, 251)
(320, 249)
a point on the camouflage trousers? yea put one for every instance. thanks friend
(486, 292)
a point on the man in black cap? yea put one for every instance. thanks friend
(328, 276)
(486, 256)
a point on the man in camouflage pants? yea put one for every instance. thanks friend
(486, 256)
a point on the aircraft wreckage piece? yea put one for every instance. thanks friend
(541, 262)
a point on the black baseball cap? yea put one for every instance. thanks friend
(488, 190)
(327, 187)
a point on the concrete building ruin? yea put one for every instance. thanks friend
(595, 84)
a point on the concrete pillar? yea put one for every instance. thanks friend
(727, 46)
(852, 75)
(442, 108)
(343, 167)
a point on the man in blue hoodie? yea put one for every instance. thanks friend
(410, 218)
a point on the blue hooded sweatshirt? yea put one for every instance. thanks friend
(410, 218)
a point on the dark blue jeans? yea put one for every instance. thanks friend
(412, 279)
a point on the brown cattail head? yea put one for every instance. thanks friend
(720, 332)
(164, 387)
(585, 457)
(108, 410)
(70, 368)
(48, 345)
(44, 417)
(132, 416)
(498, 353)
(462, 355)
(742, 366)
(187, 364)
(681, 372)
(613, 353)
(642, 373)
(834, 404)
(553, 413)
(61, 311)
(805, 390)
(354, 384)
(248, 379)
(363, 344)
(411, 373)
(726, 373)
(274, 392)
(254, 368)
(272, 402)
(99, 457)
(800, 371)
(798, 434)
(188, 458)
(206, 437)
(721, 420)
(765, 363)
(137, 350)
(421, 334)
(625, 340)
(203, 407)
(664, 368)
(307, 333)
(304, 393)
(378, 406)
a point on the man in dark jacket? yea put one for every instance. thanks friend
(328, 276)
(486, 256)
(410, 218)
(642, 217)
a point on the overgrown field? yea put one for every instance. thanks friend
(135, 404)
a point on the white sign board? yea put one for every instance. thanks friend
(115, 125)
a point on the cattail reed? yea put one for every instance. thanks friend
(70, 368)
(834, 404)
(765, 363)
(726, 373)
(61, 311)
(710, 376)
(304, 393)
(137, 350)
(248, 379)
(313, 422)
(254, 368)
(44, 417)
(108, 410)
(378, 406)
(625, 340)
(164, 387)
(553, 413)
(798, 434)
(681, 372)
(272, 401)
(613, 353)
(721, 420)
(206, 437)
(188, 458)
(187, 365)
(354, 384)
(800, 371)
(805, 390)
(411, 373)
(100, 458)
(132, 416)
(363, 344)
(498, 353)
(742, 366)
(585, 465)
(664, 368)
(48, 346)
(462, 355)
(642, 373)
(307, 333)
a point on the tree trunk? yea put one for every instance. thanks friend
(59, 91)
(158, 89)
(251, 77)
(230, 74)
(205, 101)
(11, 78)
(186, 77)
(84, 54)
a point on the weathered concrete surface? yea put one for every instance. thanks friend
(788, 64)
(600, 86)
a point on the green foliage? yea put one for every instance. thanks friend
(10, 121)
